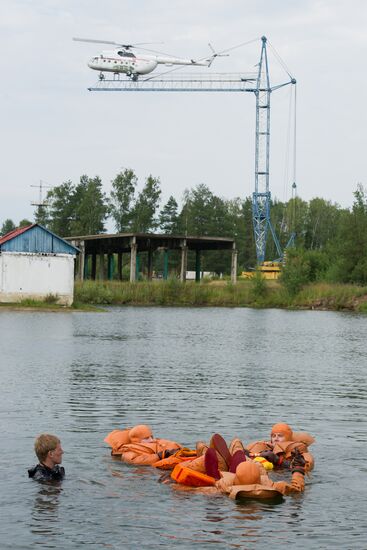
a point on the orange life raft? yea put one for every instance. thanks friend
(185, 476)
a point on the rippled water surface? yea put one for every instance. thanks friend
(187, 373)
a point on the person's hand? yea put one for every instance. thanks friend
(298, 462)
(270, 457)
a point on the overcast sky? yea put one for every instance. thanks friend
(54, 130)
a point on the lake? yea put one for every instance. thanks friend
(187, 373)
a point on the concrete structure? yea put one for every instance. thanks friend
(100, 246)
(36, 263)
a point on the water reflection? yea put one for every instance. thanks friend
(45, 511)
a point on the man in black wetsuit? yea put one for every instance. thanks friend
(49, 453)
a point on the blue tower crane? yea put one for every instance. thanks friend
(261, 198)
(219, 82)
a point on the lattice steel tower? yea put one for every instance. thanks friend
(261, 197)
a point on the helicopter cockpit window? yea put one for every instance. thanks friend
(125, 53)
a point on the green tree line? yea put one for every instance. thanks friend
(331, 242)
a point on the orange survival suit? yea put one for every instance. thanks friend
(283, 449)
(137, 445)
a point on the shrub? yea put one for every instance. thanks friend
(51, 298)
(258, 286)
(296, 272)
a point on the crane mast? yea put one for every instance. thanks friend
(261, 197)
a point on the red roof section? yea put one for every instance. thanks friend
(15, 233)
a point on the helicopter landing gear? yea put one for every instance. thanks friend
(101, 76)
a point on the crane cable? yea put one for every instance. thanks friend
(292, 118)
(294, 185)
(201, 59)
(280, 60)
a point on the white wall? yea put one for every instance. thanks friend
(191, 275)
(24, 275)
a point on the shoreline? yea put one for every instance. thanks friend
(92, 296)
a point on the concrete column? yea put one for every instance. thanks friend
(197, 266)
(101, 266)
(183, 261)
(86, 266)
(150, 264)
(165, 264)
(119, 266)
(133, 248)
(81, 262)
(110, 266)
(234, 266)
(138, 261)
(94, 266)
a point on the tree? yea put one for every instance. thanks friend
(90, 207)
(61, 208)
(351, 241)
(24, 223)
(147, 202)
(122, 198)
(7, 226)
(41, 215)
(168, 217)
(246, 239)
(320, 224)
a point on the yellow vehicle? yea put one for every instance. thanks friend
(269, 270)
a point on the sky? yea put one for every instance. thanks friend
(54, 130)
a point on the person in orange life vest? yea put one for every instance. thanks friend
(278, 451)
(138, 446)
(250, 479)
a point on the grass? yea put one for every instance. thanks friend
(46, 305)
(89, 295)
(222, 294)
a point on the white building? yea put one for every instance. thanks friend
(35, 263)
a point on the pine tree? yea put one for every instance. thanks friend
(122, 199)
(168, 217)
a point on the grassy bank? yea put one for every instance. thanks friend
(221, 293)
(41, 305)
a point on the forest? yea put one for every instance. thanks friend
(330, 244)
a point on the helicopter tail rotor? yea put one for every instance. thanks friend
(215, 54)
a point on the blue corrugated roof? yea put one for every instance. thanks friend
(37, 239)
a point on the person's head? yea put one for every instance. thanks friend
(48, 449)
(140, 433)
(281, 432)
(247, 473)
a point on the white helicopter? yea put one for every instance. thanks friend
(123, 60)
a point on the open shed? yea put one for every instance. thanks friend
(108, 245)
(36, 263)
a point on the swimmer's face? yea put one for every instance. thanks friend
(277, 437)
(56, 454)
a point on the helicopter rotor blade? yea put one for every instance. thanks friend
(95, 41)
(126, 46)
